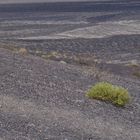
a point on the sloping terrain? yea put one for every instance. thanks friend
(42, 99)
(70, 47)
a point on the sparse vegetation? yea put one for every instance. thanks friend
(108, 92)
(23, 51)
(9, 47)
(51, 55)
(136, 74)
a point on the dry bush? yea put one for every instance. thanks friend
(23, 51)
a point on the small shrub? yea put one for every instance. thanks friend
(23, 51)
(108, 92)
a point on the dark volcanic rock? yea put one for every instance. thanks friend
(42, 100)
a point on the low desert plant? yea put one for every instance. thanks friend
(108, 92)
(23, 51)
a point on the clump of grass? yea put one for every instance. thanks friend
(107, 92)
(23, 51)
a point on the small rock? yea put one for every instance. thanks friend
(63, 62)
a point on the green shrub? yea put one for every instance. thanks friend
(108, 92)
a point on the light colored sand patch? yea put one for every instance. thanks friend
(36, 1)
(117, 61)
(101, 30)
(38, 22)
(105, 29)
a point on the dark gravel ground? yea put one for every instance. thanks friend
(43, 99)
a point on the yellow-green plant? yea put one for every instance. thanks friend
(108, 92)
